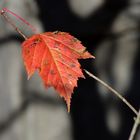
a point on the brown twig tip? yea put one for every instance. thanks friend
(21, 19)
(2, 12)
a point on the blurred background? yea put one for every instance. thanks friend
(110, 31)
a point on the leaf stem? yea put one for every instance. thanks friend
(113, 91)
(135, 127)
(2, 12)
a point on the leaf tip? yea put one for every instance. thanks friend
(86, 55)
(68, 105)
(28, 77)
(68, 102)
(29, 74)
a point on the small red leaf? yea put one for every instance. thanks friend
(55, 55)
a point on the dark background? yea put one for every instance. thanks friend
(87, 109)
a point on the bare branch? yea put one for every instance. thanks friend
(135, 127)
(113, 91)
(2, 12)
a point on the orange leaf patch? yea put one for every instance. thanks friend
(55, 55)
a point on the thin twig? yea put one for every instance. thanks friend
(113, 91)
(22, 19)
(2, 12)
(135, 127)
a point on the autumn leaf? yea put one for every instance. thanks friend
(55, 55)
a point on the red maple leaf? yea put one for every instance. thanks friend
(55, 55)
